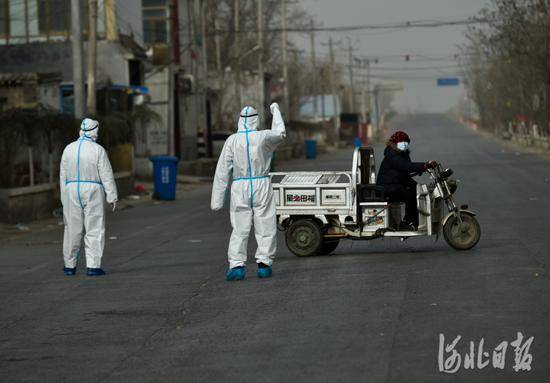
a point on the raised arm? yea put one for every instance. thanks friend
(277, 134)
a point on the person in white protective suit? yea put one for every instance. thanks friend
(244, 164)
(86, 180)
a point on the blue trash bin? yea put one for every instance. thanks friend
(165, 170)
(311, 149)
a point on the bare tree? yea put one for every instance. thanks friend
(220, 38)
(506, 63)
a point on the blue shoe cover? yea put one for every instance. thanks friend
(235, 274)
(69, 271)
(94, 272)
(265, 272)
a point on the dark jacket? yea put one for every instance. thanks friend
(396, 168)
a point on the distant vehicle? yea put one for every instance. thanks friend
(318, 209)
(218, 140)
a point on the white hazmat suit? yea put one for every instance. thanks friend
(246, 160)
(85, 179)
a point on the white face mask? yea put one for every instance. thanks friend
(403, 146)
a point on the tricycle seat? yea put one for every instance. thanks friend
(370, 193)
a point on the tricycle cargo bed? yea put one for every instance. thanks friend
(308, 192)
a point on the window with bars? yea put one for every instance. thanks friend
(4, 19)
(155, 21)
(24, 19)
(54, 16)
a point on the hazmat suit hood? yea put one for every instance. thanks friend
(248, 119)
(89, 128)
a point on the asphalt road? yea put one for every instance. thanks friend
(371, 312)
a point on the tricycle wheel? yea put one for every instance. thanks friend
(462, 236)
(304, 238)
(329, 245)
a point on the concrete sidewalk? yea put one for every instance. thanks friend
(22, 232)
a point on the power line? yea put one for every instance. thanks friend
(377, 68)
(405, 77)
(394, 58)
(402, 25)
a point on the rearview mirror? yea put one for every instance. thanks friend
(446, 173)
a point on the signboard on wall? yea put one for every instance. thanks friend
(448, 81)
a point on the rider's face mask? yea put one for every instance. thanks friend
(403, 146)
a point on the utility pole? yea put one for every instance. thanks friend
(174, 141)
(237, 11)
(175, 45)
(363, 103)
(377, 111)
(110, 20)
(193, 101)
(314, 71)
(204, 98)
(286, 101)
(370, 133)
(261, 85)
(323, 91)
(92, 56)
(218, 47)
(199, 109)
(171, 83)
(333, 87)
(78, 60)
(368, 88)
(26, 16)
(350, 65)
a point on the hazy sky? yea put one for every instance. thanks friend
(391, 46)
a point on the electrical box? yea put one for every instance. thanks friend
(186, 83)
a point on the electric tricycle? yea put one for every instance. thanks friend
(319, 209)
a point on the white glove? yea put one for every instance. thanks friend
(113, 205)
(274, 106)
